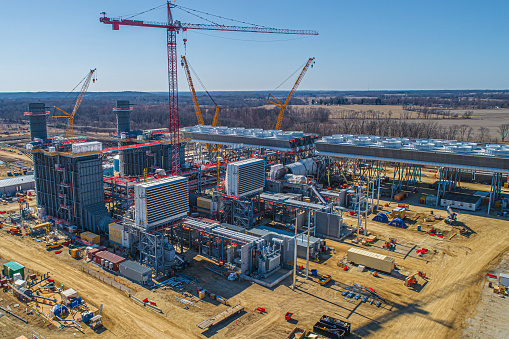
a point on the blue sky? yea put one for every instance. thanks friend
(363, 44)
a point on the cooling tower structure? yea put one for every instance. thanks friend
(161, 201)
(246, 177)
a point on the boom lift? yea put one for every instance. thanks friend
(282, 106)
(452, 218)
(81, 95)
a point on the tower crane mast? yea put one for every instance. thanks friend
(172, 28)
(282, 106)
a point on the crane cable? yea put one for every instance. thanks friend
(201, 83)
(148, 10)
(291, 75)
(218, 16)
(79, 83)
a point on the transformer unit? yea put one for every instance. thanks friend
(161, 201)
(245, 177)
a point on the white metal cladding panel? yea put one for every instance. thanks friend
(164, 204)
(245, 177)
(164, 200)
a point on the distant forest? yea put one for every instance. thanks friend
(309, 111)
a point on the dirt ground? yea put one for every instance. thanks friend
(439, 306)
(491, 316)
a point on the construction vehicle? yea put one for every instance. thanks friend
(15, 230)
(76, 252)
(52, 245)
(70, 116)
(411, 279)
(500, 289)
(282, 106)
(324, 279)
(451, 218)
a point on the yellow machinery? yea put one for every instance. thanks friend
(324, 279)
(52, 246)
(187, 68)
(282, 106)
(81, 95)
(76, 252)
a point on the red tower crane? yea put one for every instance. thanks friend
(172, 28)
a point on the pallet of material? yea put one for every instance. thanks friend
(220, 317)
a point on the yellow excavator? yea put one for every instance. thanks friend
(282, 106)
(70, 116)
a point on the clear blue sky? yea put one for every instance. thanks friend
(363, 44)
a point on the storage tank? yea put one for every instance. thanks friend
(102, 262)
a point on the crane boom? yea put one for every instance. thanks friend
(177, 25)
(79, 100)
(193, 92)
(173, 27)
(282, 106)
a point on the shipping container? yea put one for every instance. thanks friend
(10, 268)
(372, 260)
(92, 252)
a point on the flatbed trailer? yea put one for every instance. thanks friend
(220, 317)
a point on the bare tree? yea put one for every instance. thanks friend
(467, 114)
(484, 134)
(462, 130)
(503, 130)
(469, 133)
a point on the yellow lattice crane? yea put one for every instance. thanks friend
(282, 106)
(188, 68)
(70, 116)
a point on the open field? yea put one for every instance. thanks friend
(489, 118)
